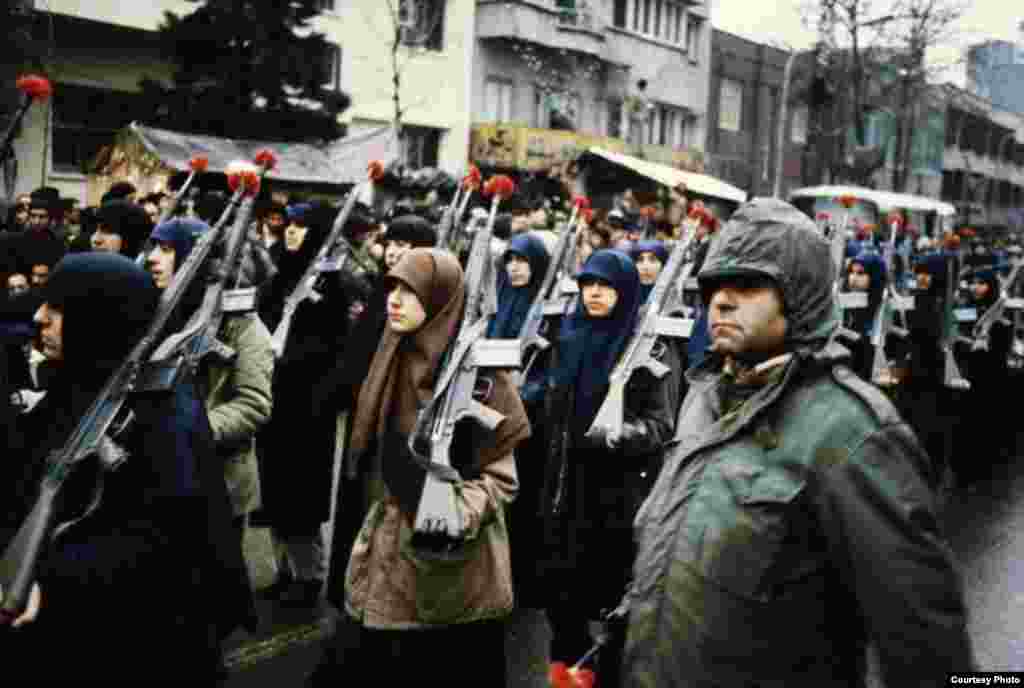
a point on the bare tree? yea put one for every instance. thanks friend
(415, 27)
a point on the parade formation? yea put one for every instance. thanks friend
(710, 438)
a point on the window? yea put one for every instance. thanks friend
(325, 5)
(730, 105)
(420, 146)
(656, 27)
(619, 13)
(331, 67)
(498, 100)
(85, 119)
(614, 119)
(647, 15)
(799, 131)
(693, 29)
(686, 123)
(421, 23)
(556, 110)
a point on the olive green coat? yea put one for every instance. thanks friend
(238, 402)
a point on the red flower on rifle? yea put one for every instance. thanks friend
(581, 202)
(968, 233)
(700, 212)
(824, 217)
(35, 86)
(473, 178)
(375, 170)
(847, 201)
(561, 676)
(266, 159)
(245, 175)
(199, 163)
(501, 186)
(588, 215)
(896, 219)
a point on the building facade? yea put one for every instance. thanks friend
(95, 53)
(553, 77)
(995, 71)
(744, 105)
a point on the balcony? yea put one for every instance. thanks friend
(558, 24)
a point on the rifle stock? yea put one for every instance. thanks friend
(983, 328)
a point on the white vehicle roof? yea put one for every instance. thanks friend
(885, 200)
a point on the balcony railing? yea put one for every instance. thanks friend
(576, 14)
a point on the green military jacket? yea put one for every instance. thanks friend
(239, 403)
(784, 535)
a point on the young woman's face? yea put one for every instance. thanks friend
(980, 289)
(649, 266)
(405, 311)
(518, 269)
(858, 279)
(294, 235)
(599, 298)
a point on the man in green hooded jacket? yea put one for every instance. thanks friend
(791, 525)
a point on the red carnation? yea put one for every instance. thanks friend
(581, 202)
(375, 170)
(847, 200)
(35, 86)
(968, 233)
(266, 159)
(824, 217)
(501, 186)
(472, 178)
(561, 676)
(199, 163)
(895, 219)
(588, 215)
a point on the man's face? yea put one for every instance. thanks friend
(980, 289)
(153, 211)
(39, 219)
(105, 240)
(51, 331)
(538, 218)
(356, 310)
(405, 311)
(160, 263)
(275, 224)
(518, 269)
(21, 211)
(17, 284)
(859, 279)
(746, 319)
(599, 298)
(924, 280)
(676, 213)
(40, 275)
(649, 266)
(294, 235)
(393, 252)
(73, 216)
(519, 224)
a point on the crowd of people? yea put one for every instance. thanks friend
(763, 477)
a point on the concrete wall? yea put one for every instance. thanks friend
(435, 85)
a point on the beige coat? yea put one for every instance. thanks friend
(389, 585)
(239, 403)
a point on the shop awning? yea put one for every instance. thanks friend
(671, 177)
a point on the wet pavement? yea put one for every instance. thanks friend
(984, 524)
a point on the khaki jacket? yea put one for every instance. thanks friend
(390, 585)
(239, 403)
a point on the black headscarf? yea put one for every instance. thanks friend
(127, 220)
(589, 348)
(514, 302)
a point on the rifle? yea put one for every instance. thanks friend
(35, 88)
(611, 415)
(197, 165)
(438, 522)
(951, 376)
(995, 313)
(146, 368)
(455, 210)
(892, 303)
(328, 254)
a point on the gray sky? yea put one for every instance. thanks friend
(778, 22)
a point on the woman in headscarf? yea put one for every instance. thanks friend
(594, 484)
(155, 567)
(405, 605)
(318, 331)
(987, 438)
(866, 273)
(650, 257)
(525, 263)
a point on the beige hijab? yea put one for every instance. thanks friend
(403, 372)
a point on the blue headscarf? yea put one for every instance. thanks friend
(589, 348)
(659, 249)
(514, 302)
(182, 233)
